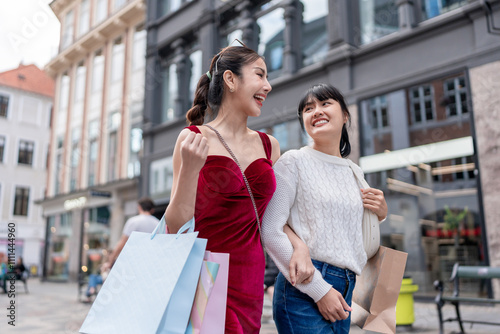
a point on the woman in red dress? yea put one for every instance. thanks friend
(208, 184)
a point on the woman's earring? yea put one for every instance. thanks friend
(231, 90)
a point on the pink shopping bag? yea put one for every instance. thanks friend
(214, 321)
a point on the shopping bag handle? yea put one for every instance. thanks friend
(161, 228)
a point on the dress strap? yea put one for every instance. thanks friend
(193, 128)
(268, 148)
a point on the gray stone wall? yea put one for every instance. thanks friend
(485, 87)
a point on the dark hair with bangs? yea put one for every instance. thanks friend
(209, 92)
(323, 92)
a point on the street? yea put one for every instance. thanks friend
(52, 308)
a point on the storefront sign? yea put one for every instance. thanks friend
(97, 193)
(71, 204)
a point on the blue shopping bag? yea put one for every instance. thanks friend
(151, 286)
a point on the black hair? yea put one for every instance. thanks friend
(209, 92)
(323, 92)
(146, 204)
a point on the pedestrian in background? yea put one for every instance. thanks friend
(143, 222)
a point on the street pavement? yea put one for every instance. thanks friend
(53, 308)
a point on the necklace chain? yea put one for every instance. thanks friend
(242, 173)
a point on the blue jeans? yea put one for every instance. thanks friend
(94, 281)
(296, 313)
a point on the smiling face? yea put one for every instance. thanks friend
(251, 88)
(323, 118)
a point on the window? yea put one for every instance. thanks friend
(433, 8)
(25, 152)
(455, 93)
(98, 72)
(271, 41)
(170, 91)
(314, 31)
(195, 59)
(119, 3)
(379, 117)
(139, 48)
(58, 175)
(114, 124)
(170, 6)
(67, 37)
(4, 105)
(2, 147)
(378, 18)
(101, 10)
(75, 158)
(421, 104)
(117, 70)
(134, 164)
(21, 201)
(464, 168)
(64, 96)
(161, 177)
(93, 151)
(83, 24)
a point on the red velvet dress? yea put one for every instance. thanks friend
(224, 215)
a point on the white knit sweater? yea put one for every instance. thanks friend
(318, 196)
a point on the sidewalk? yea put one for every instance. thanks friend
(52, 308)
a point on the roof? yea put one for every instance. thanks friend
(28, 78)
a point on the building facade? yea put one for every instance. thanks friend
(421, 80)
(26, 99)
(97, 138)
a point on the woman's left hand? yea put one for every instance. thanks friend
(374, 200)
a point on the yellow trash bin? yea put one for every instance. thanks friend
(405, 314)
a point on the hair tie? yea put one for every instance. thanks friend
(209, 75)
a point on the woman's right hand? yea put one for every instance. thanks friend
(194, 151)
(333, 306)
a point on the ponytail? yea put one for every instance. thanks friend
(196, 115)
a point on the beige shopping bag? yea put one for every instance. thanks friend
(377, 290)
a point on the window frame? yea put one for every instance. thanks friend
(26, 141)
(457, 91)
(13, 211)
(4, 149)
(422, 98)
(9, 103)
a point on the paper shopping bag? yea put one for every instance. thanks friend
(151, 286)
(203, 291)
(214, 321)
(377, 290)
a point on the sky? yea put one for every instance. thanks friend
(29, 33)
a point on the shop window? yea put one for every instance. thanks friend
(4, 105)
(378, 18)
(58, 246)
(420, 181)
(422, 104)
(455, 92)
(25, 155)
(21, 201)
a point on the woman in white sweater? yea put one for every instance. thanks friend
(318, 196)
